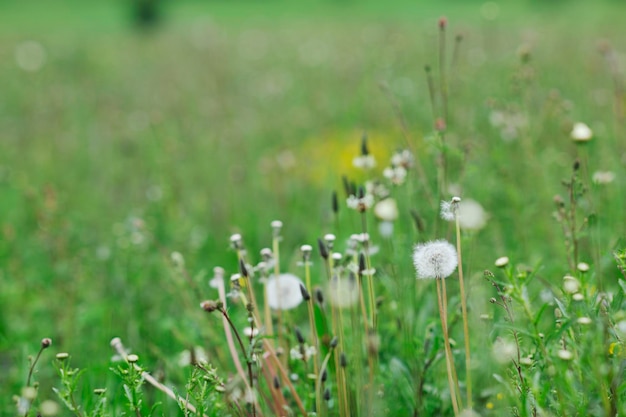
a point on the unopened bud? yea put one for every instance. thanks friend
(46, 342)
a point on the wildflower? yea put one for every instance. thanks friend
(502, 261)
(436, 259)
(570, 284)
(581, 132)
(283, 292)
(364, 162)
(582, 266)
(565, 354)
(447, 212)
(403, 158)
(471, 214)
(250, 332)
(218, 277)
(178, 260)
(360, 203)
(584, 321)
(48, 408)
(603, 177)
(343, 292)
(303, 352)
(397, 175)
(386, 209)
(578, 297)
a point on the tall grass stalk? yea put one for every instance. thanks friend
(468, 366)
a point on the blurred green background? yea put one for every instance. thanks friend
(121, 142)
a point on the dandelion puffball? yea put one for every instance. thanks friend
(386, 210)
(343, 293)
(472, 216)
(581, 132)
(283, 292)
(437, 259)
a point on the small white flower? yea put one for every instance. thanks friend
(581, 132)
(364, 162)
(583, 267)
(565, 354)
(250, 332)
(502, 261)
(578, 297)
(584, 321)
(396, 175)
(283, 292)
(296, 353)
(403, 158)
(436, 259)
(386, 209)
(603, 177)
(570, 284)
(360, 204)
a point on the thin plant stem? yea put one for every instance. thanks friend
(446, 342)
(445, 312)
(245, 353)
(468, 367)
(229, 336)
(316, 365)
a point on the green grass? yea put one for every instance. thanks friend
(126, 146)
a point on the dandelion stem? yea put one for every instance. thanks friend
(245, 353)
(468, 368)
(446, 341)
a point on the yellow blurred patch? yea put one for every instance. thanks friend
(323, 159)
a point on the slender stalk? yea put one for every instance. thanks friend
(445, 312)
(468, 367)
(246, 354)
(444, 328)
(316, 365)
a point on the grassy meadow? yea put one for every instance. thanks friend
(133, 162)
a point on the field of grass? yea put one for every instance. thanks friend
(120, 147)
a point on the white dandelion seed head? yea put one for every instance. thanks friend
(178, 259)
(581, 132)
(386, 210)
(603, 177)
(343, 292)
(570, 284)
(436, 259)
(471, 214)
(218, 277)
(504, 351)
(446, 211)
(283, 292)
